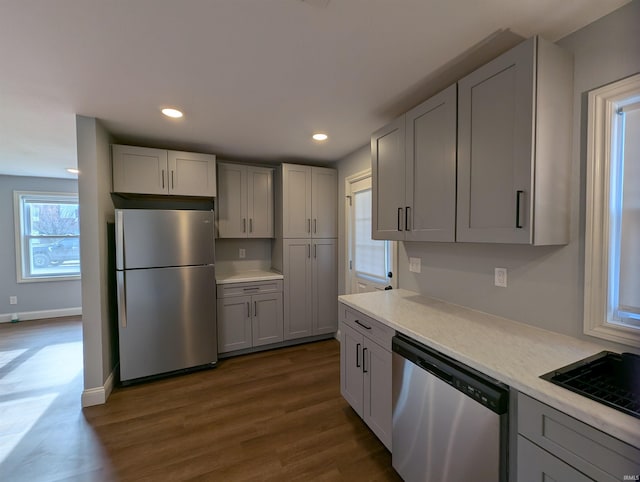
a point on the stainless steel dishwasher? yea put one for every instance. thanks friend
(450, 422)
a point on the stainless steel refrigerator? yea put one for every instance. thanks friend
(166, 291)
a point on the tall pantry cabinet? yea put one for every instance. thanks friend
(306, 248)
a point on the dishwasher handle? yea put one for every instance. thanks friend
(433, 369)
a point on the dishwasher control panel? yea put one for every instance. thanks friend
(478, 386)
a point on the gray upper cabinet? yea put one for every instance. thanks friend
(245, 201)
(514, 147)
(142, 170)
(414, 173)
(309, 202)
(388, 181)
(431, 169)
(324, 202)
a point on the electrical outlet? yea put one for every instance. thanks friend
(500, 277)
(13, 300)
(415, 265)
(242, 254)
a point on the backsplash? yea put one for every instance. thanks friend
(257, 254)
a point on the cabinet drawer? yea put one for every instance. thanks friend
(535, 464)
(249, 288)
(366, 325)
(589, 450)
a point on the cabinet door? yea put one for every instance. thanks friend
(495, 155)
(140, 170)
(388, 176)
(325, 286)
(431, 169)
(234, 323)
(377, 390)
(267, 321)
(297, 288)
(535, 465)
(232, 201)
(324, 202)
(192, 174)
(296, 201)
(260, 202)
(351, 378)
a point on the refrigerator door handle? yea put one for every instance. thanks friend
(119, 239)
(122, 298)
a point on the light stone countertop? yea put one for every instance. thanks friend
(511, 352)
(246, 276)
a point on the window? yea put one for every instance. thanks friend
(47, 236)
(612, 238)
(369, 261)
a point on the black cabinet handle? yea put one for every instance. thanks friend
(163, 179)
(172, 185)
(362, 325)
(518, 198)
(399, 219)
(251, 225)
(364, 359)
(407, 216)
(358, 355)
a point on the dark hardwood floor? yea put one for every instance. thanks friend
(275, 415)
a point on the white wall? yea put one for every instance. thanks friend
(545, 283)
(96, 208)
(35, 300)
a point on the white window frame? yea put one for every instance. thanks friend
(20, 236)
(393, 255)
(603, 104)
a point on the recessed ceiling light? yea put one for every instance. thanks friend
(73, 170)
(175, 113)
(320, 137)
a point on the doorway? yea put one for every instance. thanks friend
(370, 263)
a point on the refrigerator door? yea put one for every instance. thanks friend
(149, 238)
(170, 320)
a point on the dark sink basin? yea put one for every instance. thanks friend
(607, 377)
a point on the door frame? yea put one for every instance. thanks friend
(348, 181)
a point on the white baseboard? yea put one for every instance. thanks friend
(98, 395)
(38, 315)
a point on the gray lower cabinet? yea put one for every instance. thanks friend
(554, 446)
(365, 370)
(310, 268)
(249, 315)
(536, 465)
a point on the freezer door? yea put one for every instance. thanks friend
(149, 238)
(170, 320)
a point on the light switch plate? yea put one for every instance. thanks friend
(415, 265)
(242, 253)
(13, 300)
(500, 277)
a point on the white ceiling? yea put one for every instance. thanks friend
(255, 78)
